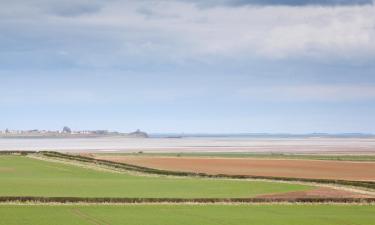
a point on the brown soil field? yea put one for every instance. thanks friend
(321, 192)
(316, 169)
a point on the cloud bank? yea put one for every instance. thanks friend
(236, 3)
(111, 33)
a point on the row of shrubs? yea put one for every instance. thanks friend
(16, 152)
(365, 184)
(182, 200)
(110, 163)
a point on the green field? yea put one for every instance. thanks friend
(188, 215)
(23, 176)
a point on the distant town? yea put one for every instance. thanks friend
(67, 132)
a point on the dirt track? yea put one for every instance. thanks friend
(358, 171)
(322, 192)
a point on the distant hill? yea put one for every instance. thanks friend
(138, 134)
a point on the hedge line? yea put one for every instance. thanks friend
(365, 184)
(17, 152)
(181, 200)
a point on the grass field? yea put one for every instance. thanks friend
(188, 215)
(23, 176)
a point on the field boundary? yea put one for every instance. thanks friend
(63, 200)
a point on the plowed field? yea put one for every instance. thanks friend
(344, 170)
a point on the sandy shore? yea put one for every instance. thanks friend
(302, 145)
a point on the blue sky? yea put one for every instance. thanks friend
(221, 66)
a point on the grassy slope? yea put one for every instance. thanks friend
(364, 158)
(189, 215)
(22, 176)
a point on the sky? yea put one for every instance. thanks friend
(207, 66)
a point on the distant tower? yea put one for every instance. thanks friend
(67, 130)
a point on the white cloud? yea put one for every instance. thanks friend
(338, 32)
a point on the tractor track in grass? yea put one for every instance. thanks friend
(91, 219)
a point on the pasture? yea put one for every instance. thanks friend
(187, 214)
(24, 176)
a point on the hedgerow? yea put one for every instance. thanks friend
(180, 200)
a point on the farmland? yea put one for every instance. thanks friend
(317, 169)
(187, 214)
(46, 175)
(23, 176)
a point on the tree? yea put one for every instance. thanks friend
(67, 130)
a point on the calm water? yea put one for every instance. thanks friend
(355, 145)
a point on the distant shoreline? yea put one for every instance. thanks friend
(181, 136)
(263, 135)
(36, 134)
(68, 137)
